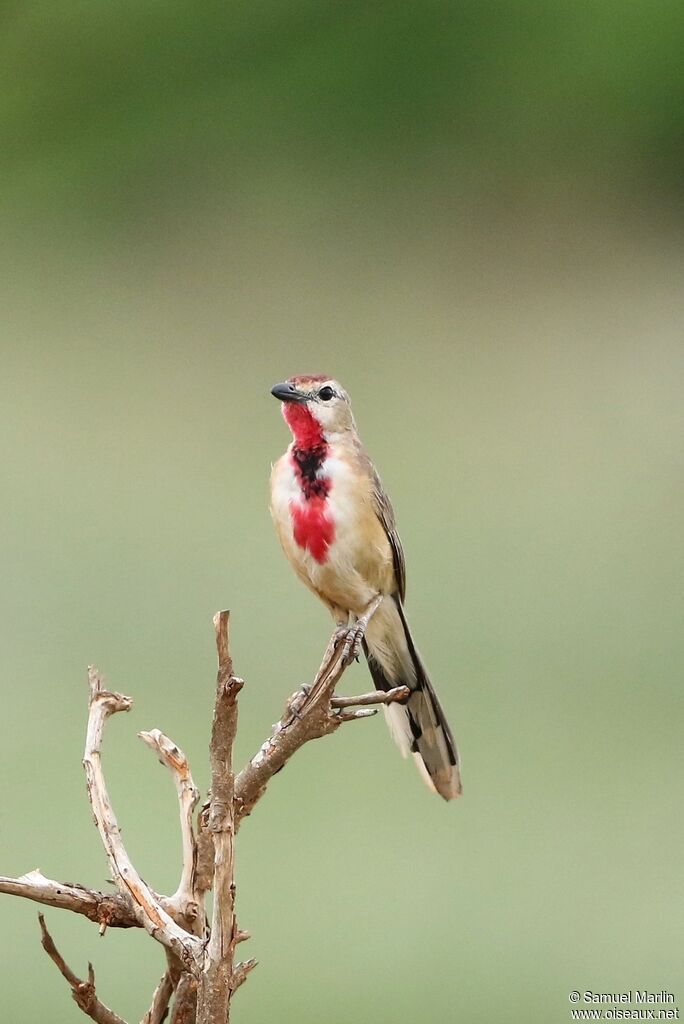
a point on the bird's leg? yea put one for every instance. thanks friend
(355, 633)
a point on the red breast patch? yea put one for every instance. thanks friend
(313, 529)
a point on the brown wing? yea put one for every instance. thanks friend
(385, 513)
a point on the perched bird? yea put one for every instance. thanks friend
(337, 528)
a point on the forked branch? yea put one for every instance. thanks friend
(150, 912)
(201, 973)
(83, 991)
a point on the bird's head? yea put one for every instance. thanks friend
(315, 407)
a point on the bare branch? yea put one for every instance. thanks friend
(185, 1004)
(109, 910)
(353, 716)
(213, 997)
(160, 925)
(345, 711)
(308, 715)
(201, 975)
(241, 971)
(398, 693)
(162, 997)
(185, 900)
(82, 991)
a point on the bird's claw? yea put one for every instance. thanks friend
(353, 637)
(298, 700)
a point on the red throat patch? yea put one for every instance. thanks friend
(305, 427)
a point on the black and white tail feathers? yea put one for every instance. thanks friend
(418, 725)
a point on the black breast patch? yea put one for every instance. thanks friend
(307, 462)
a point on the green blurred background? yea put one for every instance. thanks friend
(470, 213)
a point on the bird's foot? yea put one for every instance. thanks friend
(353, 637)
(298, 699)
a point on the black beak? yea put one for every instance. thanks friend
(288, 393)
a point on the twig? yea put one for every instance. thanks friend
(160, 925)
(214, 992)
(82, 991)
(309, 714)
(240, 973)
(354, 716)
(185, 900)
(399, 693)
(109, 910)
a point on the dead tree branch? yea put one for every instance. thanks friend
(240, 973)
(310, 713)
(398, 693)
(152, 915)
(185, 1004)
(201, 974)
(186, 900)
(161, 997)
(213, 997)
(83, 991)
(109, 910)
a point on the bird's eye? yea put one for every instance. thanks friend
(325, 394)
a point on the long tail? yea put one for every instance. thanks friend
(418, 726)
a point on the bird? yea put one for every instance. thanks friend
(337, 528)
